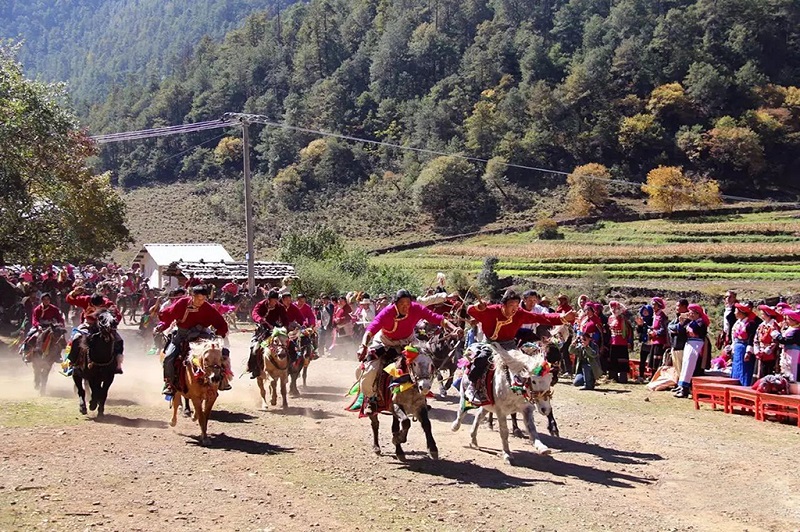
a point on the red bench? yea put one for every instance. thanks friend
(780, 405)
(712, 393)
(745, 398)
(716, 380)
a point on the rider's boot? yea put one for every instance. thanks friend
(475, 394)
(168, 389)
(225, 384)
(252, 367)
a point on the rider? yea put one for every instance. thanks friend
(501, 323)
(392, 327)
(192, 315)
(267, 314)
(44, 314)
(93, 305)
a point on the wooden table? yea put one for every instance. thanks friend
(745, 398)
(712, 393)
(716, 380)
(780, 405)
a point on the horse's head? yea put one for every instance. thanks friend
(207, 355)
(540, 380)
(420, 366)
(277, 345)
(106, 324)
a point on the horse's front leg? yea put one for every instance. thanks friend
(479, 417)
(293, 391)
(398, 448)
(502, 425)
(262, 391)
(77, 378)
(540, 447)
(94, 388)
(285, 403)
(305, 374)
(552, 426)
(461, 410)
(176, 404)
(273, 390)
(425, 421)
(207, 405)
(104, 386)
(405, 422)
(373, 419)
(442, 387)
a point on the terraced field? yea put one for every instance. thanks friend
(747, 248)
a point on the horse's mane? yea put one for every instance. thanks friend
(200, 347)
(520, 363)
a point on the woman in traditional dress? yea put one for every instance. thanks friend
(764, 346)
(696, 327)
(790, 340)
(743, 335)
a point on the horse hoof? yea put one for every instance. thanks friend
(100, 414)
(82, 409)
(173, 422)
(294, 393)
(205, 442)
(434, 454)
(187, 413)
(518, 433)
(455, 426)
(474, 445)
(92, 405)
(507, 459)
(377, 450)
(542, 448)
(285, 406)
(554, 434)
(273, 403)
(400, 455)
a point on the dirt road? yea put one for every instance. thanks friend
(627, 460)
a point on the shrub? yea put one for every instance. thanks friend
(547, 229)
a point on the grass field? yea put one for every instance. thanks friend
(746, 248)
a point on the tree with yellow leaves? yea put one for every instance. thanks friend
(588, 188)
(667, 188)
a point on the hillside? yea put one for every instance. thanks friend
(97, 44)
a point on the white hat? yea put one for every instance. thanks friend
(365, 301)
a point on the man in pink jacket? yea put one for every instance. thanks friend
(391, 330)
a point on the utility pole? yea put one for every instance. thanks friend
(248, 208)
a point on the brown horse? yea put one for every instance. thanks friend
(47, 347)
(273, 352)
(203, 373)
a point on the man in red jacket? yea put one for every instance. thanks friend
(267, 314)
(500, 324)
(192, 315)
(93, 305)
(44, 315)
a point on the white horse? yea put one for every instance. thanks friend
(533, 374)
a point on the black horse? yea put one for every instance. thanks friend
(95, 362)
(445, 349)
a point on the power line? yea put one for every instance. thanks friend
(160, 131)
(261, 119)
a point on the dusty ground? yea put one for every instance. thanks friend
(627, 460)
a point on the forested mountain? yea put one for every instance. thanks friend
(707, 85)
(94, 44)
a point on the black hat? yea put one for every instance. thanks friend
(273, 294)
(199, 290)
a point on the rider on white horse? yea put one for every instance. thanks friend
(500, 324)
(393, 327)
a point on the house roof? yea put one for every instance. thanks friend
(210, 271)
(166, 254)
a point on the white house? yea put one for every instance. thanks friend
(154, 259)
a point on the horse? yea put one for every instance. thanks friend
(445, 349)
(203, 372)
(301, 352)
(406, 397)
(160, 342)
(47, 346)
(518, 381)
(127, 304)
(96, 362)
(553, 356)
(272, 352)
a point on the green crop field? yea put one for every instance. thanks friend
(760, 250)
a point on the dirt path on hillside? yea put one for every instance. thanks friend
(627, 460)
